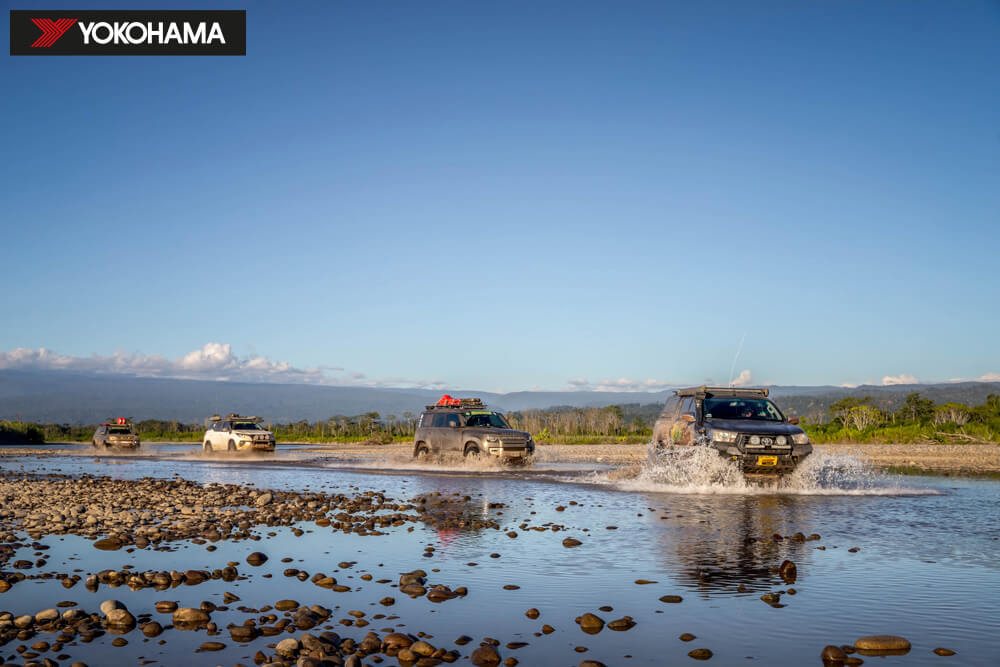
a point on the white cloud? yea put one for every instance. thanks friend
(212, 361)
(620, 384)
(986, 377)
(903, 378)
(743, 379)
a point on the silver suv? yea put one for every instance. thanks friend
(465, 426)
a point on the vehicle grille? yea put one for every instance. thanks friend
(768, 444)
(513, 443)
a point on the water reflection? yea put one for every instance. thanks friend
(732, 545)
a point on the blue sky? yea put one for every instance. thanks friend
(514, 195)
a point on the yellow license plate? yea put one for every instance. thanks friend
(767, 460)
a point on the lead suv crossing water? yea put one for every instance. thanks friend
(742, 424)
(465, 426)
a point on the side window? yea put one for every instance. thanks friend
(425, 420)
(438, 420)
(670, 409)
(687, 406)
(453, 420)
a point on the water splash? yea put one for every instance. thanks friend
(700, 470)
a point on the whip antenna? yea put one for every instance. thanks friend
(733, 366)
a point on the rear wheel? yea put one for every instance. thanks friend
(421, 452)
(94, 443)
(208, 446)
(232, 446)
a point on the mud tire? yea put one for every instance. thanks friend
(208, 446)
(421, 451)
(472, 450)
(231, 446)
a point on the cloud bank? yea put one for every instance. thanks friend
(212, 361)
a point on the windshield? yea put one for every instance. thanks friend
(487, 419)
(119, 430)
(741, 408)
(245, 426)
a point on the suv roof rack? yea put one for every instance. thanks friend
(741, 392)
(447, 401)
(233, 415)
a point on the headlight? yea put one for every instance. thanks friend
(781, 440)
(724, 436)
(800, 439)
(492, 438)
(754, 439)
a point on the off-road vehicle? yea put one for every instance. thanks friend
(466, 426)
(116, 433)
(741, 423)
(237, 433)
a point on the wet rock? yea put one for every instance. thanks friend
(263, 499)
(119, 641)
(851, 660)
(287, 646)
(571, 542)
(120, 617)
(413, 590)
(686, 637)
(190, 615)
(286, 605)
(47, 616)
(166, 606)
(592, 663)
(700, 654)
(590, 623)
(243, 633)
(771, 598)
(152, 629)
(645, 581)
(109, 605)
(622, 624)
(832, 653)
(788, 571)
(257, 558)
(108, 544)
(212, 646)
(463, 640)
(671, 599)
(882, 643)
(532, 613)
(547, 629)
(944, 651)
(485, 656)
(397, 640)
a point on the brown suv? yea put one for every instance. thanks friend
(117, 433)
(465, 426)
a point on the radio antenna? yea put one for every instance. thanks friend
(738, 350)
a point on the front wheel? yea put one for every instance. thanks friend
(232, 446)
(94, 443)
(472, 451)
(208, 446)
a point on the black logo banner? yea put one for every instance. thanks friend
(71, 32)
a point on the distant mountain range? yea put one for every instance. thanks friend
(64, 397)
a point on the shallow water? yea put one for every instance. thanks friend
(927, 566)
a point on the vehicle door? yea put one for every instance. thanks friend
(451, 432)
(220, 436)
(687, 419)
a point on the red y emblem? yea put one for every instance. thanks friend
(51, 30)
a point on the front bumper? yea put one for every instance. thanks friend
(509, 452)
(767, 462)
(123, 444)
(261, 446)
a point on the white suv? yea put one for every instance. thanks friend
(236, 433)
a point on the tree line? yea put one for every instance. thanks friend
(851, 419)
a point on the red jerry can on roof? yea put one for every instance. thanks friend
(447, 400)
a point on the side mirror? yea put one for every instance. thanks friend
(793, 420)
(687, 417)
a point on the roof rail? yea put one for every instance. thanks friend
(741, 392)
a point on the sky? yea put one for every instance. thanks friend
(515, 195)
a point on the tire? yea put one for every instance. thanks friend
(232, 446)
(94, 443)
(208, 446)
(421, 452)
(471, 449)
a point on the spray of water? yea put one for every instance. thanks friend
(700, 470)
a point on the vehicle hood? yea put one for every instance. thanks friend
(753, 426)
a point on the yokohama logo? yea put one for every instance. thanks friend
(51, 31)
(85, 32)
